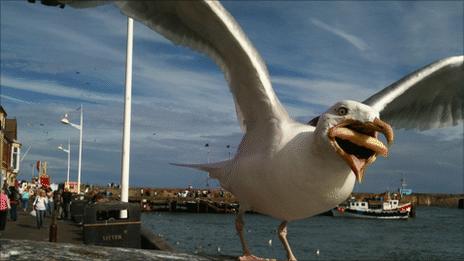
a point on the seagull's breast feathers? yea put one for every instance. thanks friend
(262, 180)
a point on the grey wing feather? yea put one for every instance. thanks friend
(431, 97)
(208, 28)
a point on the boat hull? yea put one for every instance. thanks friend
(340, 212)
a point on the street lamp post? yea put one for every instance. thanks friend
(209, 151)
(125, 157)
(69, 159)
(32, 174)
(80, 127)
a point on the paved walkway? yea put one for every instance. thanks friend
(25, 228)
(22, 240)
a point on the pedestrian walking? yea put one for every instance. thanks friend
(66, 199)
(14, 202)
(58, 203)
(40, 206)
(50, 205)
(25, 198)
(4, 207)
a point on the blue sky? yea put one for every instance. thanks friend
(317, 53)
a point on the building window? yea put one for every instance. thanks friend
(15, 159)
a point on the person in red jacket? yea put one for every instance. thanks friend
(4, 207)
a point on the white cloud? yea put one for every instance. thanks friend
(53, 88)
(353, 40)
(447, 134)
(13, 99)
(319, 92)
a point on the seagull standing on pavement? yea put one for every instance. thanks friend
(283, 168)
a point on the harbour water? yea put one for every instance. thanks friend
(435, 234)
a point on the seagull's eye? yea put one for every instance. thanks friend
(342, 111)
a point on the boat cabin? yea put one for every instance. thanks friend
(359, 205)
(390, 204)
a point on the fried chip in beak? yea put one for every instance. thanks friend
(356, 142)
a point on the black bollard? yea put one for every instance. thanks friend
(412, 213)
(53, 232)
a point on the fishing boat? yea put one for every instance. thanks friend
(374, 209)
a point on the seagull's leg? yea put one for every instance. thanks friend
(283, 238)
(239, 224)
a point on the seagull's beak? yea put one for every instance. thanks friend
(356, 142)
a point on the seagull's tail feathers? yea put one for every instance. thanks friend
(216, 170)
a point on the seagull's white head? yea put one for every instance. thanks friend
(351, 129)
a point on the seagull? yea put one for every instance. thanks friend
(283, 168)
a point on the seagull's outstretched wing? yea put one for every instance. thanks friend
(431, 97)
(207, 27)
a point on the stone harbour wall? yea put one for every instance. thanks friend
(418, 199)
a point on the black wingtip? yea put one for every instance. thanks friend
(49, 3)
(314, 121)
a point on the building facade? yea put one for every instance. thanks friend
(2, 141)
(10, 149)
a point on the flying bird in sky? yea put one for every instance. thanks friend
(283, 168)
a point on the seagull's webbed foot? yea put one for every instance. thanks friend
(250, 258)
(283, 239)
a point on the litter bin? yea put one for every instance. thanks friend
(77, 210)
(104, 226)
